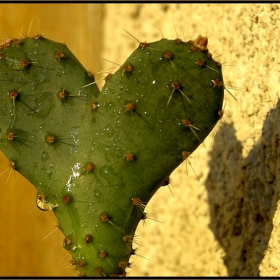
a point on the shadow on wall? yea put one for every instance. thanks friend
(243, 195)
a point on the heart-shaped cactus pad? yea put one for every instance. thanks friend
(96, 158)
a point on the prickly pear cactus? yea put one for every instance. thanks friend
(96, 159)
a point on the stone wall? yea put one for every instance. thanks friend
(224, 222)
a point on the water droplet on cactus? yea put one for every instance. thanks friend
(120, 186)
(73, 149)
(44, 204)
(49, 174)
(74, 133)
(108, 173)
(98, 195)
(76, 170)
(106, 170)
(84, 224)
(108, 131)
(44, 156)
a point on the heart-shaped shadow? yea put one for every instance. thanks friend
(243, 194)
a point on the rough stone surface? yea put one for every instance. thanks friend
(225, 223)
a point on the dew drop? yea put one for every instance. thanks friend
(99, 196)
(74, 133)
(49, 173)
(44, 156)
(76, 170)
(108, 131)
(43, 203)
(108, 173)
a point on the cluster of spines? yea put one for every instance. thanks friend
(199, 44)
(69, 244)
(88, 239)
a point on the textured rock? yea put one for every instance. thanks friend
(238, 178)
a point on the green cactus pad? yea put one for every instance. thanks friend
(97, 159)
